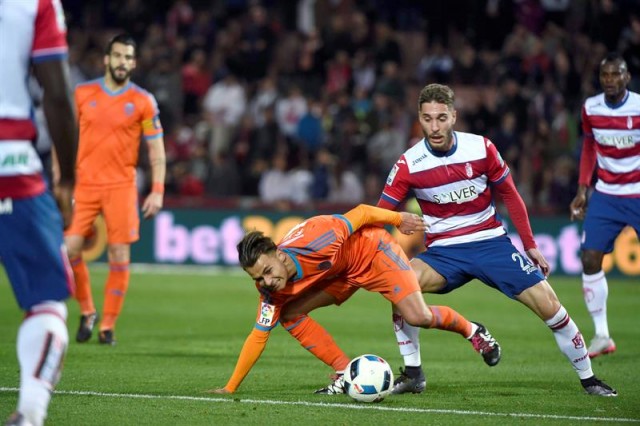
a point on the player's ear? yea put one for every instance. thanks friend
(453, 116)
(105, 60)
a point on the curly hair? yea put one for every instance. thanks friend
(436, 93)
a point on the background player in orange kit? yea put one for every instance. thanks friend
(113, 115)
(323, 261)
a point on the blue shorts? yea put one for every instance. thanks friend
(31, 250)
(606, 216)
(495, 262)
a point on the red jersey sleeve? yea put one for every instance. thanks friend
(397, 186)
(50, 32)
(497, 170)
(588, 156)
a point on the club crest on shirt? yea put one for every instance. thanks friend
(468, 169)
(128, 108)
(266, 314)
(323, 266)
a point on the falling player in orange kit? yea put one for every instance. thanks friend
(323, 261)
(113, 115)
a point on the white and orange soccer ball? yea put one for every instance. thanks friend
(368, 378)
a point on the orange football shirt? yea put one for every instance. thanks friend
(111, 126)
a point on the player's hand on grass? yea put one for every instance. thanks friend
(538, 259)
(63, 193)
(152, 205)
(218, 391)
(411, 223)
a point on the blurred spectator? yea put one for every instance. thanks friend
(385, 147)
(256, 45)
(345, 187)
(630, 48)
(196, 80)
(390, 83)
(436, 66)
(310, 63)
(310, 133)
(165, 82)
(264, 98)
(290, 110)
(338, 73)
(386, 47)
(223, 178)
(224, 105)
(364, 72)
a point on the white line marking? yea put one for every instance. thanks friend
(177, 269)
(353, 406)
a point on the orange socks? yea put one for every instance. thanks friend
(114, 292)
(83, 286)
(445, 318)
(314, 338)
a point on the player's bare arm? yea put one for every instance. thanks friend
(153, 203)
(53, 76)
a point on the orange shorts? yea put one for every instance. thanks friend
(339, 289)
(390, 273)
(119, 207)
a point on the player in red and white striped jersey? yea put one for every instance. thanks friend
(611, 125)
(453, 175)
(33, 35)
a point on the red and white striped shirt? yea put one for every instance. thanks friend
(452, 188)
(31, 31)
(612, 138)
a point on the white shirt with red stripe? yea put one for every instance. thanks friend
(30, 31)
(452, 188)
(612, 133)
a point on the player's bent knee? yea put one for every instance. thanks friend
(417, 319)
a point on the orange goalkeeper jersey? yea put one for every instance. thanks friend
(111, 126)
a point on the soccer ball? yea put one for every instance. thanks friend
(368, 378)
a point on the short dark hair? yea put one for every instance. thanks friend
(123, 38)
(252, 246)
(614, 57)
(436, 93)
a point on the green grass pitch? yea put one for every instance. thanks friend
(182, 329)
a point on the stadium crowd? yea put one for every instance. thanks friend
(295, 103)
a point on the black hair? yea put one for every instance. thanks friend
(615, 57)
(252, 246)
(123, 38)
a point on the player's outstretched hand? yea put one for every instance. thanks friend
(218, 391)
(411, 223)
(63, 193)
(538, 259)
(152, 205)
